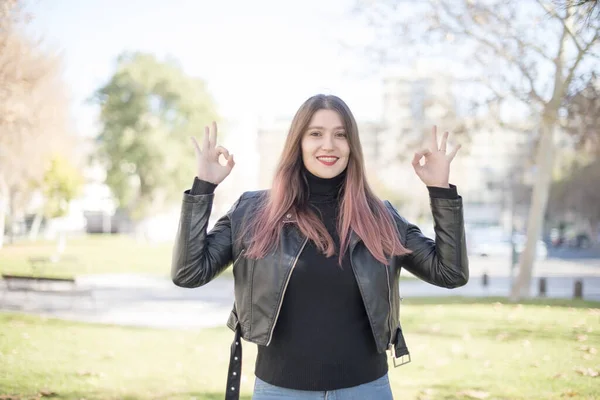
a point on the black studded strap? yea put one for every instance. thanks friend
(234, 376)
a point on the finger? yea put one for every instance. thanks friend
(416, 162)
(222, 150)
(418, 155)
(213, 135)
(453, 152)
(206, 143)
(424, 152)
(230, 161)
(196, 146)
(434, 139)
(444, 142)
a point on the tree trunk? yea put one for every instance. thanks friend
(537, 210)
(61, 245)
(35, 227)
(11, 215)
(2, 219)
(3, 208)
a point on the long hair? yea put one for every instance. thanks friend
(360, 210)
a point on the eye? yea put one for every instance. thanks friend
(315, 133)
(341, 134)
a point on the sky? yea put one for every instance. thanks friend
(261, 59)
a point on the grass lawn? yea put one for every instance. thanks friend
(461, 349)
(96, 254)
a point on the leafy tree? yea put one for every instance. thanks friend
(149, 109)
(62, 183)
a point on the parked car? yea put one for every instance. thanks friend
(495, 242)
(570, 238)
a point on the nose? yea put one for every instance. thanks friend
(327, 143)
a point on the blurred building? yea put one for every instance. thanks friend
(489, 163)
(239, 137)
(97, 202)
(414, 99)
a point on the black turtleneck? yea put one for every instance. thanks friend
(322, 339)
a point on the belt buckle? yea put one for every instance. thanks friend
(405, 359)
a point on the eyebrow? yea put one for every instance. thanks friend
(322, 128)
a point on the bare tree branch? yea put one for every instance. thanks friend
(515, 65)
(33, 108)
(582, 53)
(563, 21)
(507, 24)
(498, 50)
(559, 88)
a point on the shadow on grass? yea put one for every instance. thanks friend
(200, 396)
(518, 334)
(114, 396)
(567, 303)
(448, 391)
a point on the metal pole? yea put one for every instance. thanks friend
(513, 253)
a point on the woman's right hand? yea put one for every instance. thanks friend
(208, 166)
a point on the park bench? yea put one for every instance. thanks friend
(38, 283)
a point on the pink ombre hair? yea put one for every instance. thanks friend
(360, 210)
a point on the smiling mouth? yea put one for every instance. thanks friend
(327, 160)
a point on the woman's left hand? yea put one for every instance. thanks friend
(436, 169)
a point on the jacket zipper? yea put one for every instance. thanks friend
(232, 266)
(387, 276)
(284, 289)
(238, 257)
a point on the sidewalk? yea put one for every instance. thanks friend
(151, 301)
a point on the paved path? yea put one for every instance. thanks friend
(151, 301)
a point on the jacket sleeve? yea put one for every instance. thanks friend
(198, 256)
(442, 262)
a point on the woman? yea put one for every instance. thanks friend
(317, 258)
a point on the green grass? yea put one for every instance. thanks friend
(96, 254)
(461, 349)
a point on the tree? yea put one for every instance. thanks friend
(591, 7)
(148, 111)
(582, 122)
(575, 192)
(62, 183)
(524, 56)
(33, 111)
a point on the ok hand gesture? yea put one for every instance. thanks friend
(436, 169)
(209, 168)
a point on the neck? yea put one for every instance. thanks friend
(323, 189)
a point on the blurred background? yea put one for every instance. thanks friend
(98, 100)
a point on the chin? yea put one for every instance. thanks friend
(328, 174)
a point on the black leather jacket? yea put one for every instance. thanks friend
(260, 285)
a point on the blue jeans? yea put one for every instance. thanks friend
(378, 389)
